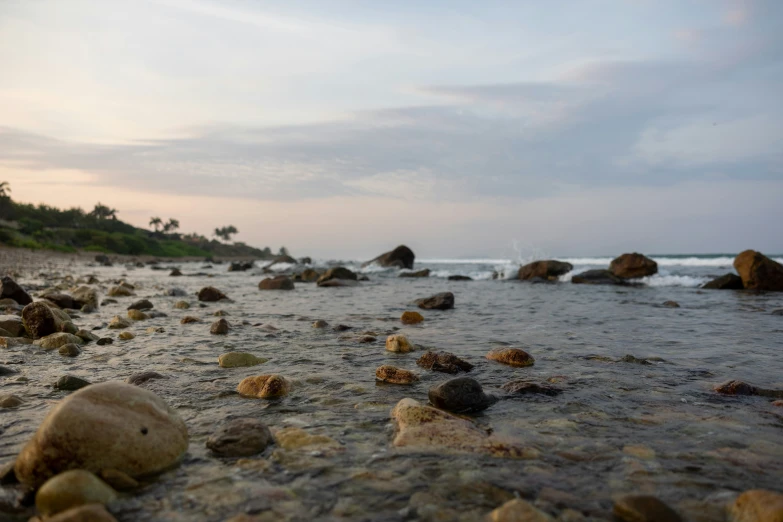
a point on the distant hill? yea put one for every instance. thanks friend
(43, 227)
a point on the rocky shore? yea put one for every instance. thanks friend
(235, 392)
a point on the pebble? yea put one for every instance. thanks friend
(220, 327)
(70, 383)
(104, 341)
(411, 318)
(671, 304)
(189, 319)
(444, 362)
(10, 401)
(442, 301)
(239, 359)
(70, 350)
(182, 305)
(142, 304)
(643, 508)
(136, 315)
(522, 387)
(393, 375)
(512, 357)
(70, 489)
(757, 506)
(293, 438)
(140, 378)
(56, 340)
(210, 294)
(126, 336)
(460, 395)
(320, 324)
(118, 323)
(399, 344)
(519, 510)
(264, 386)
(240, 438)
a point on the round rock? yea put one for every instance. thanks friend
(72, 488)
(264, 386)
(459, 395)
(240, 438)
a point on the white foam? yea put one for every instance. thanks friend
(672, 280)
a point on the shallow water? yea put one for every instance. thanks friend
(619, 427)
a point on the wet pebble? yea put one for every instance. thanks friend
(320, 323)
(239, 359)
(70, 383)
(523, 387)
(411, 318)
(181, 305)
(126, 336)
(264, 386)
(394, 375)
(70, 350)
(10, 401)
(240, 438)
(460, 395)
(512, 357)
(70, 489)
(104, 341)
(189, 319)
(220, 327)
(643, 508)
(444, 362)
(399, 344)
(141, 304)
(140, 378)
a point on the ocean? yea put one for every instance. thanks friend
(637, 412)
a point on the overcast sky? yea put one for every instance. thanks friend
(341, 128)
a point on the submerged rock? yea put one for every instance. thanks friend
(9, 289)
(264, 386)
(70, 489)
(511, 356)
(142, 304)
(280, 282)
(85, 513)
(126, 336)
(394, 375)
(460, 395)
(210, 294)
(411, 318)
(757, 505)
(70, 383)
(671, 304)
(337, 272)
(57, 340)
(137, 315)
(460, 278)
(597, 277)
(399, 344)
(320, 323)
(138, 434)
(522, 387)
(442, 301)
(239, 359)
(219, 327)
(240, 438)
(444, 362)
(335, 283)
(293, 438)
(86, 296)
(119, 291)
(61, 300)
(758, 272)
(10, 401)
(189, 319)
(400, 257)
(70, 350)
(725, 282)
(643, 508)
(118, 323)
(518, 510)
(420, 273)
(633, 266)
(549, 270)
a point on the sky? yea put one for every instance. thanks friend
(342, 128)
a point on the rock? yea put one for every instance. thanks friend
(70, 350)
(189, 319)
(119, 291)
(280, 282)
(511, 356)
(282, 259)
(10, 401)
(126, 336)
(182, 305)
(309, 275)
(444, 362)
(70, 383)
(393, 375)
(400, 257)
(176, 292)
(725, 282)
(671, 304)
(118, 323)
(320, 323)
(86, 513)
(118, 480)
(210, 294)
(419, 273)
(518, 510)
(240, 438)
(10, 342)
(138, 434)
(293, 438)
(238, 266)
(39, 320)
(460, 395)
(757, 505)
(86, 296)
(549, 270)
(522, 387)
(597, 277)
(239, 360)
(335, 283)
(442, 301)
(137, 379)
(219, 327)
(9, 289)
(342, 328)
(141, 304)
(5, 371)
(61, 300)
(88, 309)
(103, 341)
(103, 260)
(398, 344)
(411, 318)
(13, 325)
(86, 336)
(460, 278)
(366, 339)
(73, 488)
(633, 266)
(735, 388)
(137, 315)
(758, 272)
(337, 272)
(643, 508)
(175, 272)
(57, 340)
(264, 386)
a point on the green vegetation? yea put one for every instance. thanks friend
(44, 227)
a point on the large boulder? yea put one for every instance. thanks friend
(70, 489)
(758, 272)
(400, 257)
(11, 290)
(280, 282)
(111, 425)
(549, 269)
(597, 277)
(337, 272)
(40, 320)
(725, 282)
(633, 266)
(442, 301)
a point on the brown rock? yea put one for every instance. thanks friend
(735, 388)
(309, 275)
(758, 272)
(61, 300)
(519, 510)
(39, 320)
(86, 513)
(393, 375)
(109, 425)
(633, 266)
(210, 294)
(70, 350)
(444, 362)
(337, 272)
(643, 508)
(219, 327)
(398, 344)
(549, 270)
(13, 325)
(725, 282)
(757, 505)
(400, 257)
(280, 282)
(70, 489)
(137, 315)
(264, 386)
(84, 295)
(137, 379)
(9, 289)
(240, 438)
(442, 301)
(522, 387)
(120, 291)
(10, 401)
(118, 480)
(411, 318)
(511, 356)
(189, 319)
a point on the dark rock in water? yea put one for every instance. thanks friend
(777, 312)
(220, 327)
(240, 267)
(154, 313)
(525, 387)
(39, 320)
(308, 275)
(70, 383)
(442, 301)
(420, 273)
(175, 272)
(459, 278)
(103, 260)
(758, 272)
(176, 292)
(444, 362)
(725, 282)
(9, 289)
(282, 259)
(103, 341)
(671, 304)
(305, 261)
(342, 328)
(210, 294)
(13, 325)
(460, 395)
(643, 508)
(400, 257)
(61, 300)
(320, 323)
(5, 371)
(142, 304)
(512, 356)
(280, 282)
(597, 277)
(337, 272)
(70, 350)
(743, 388)
(240, 438)
(633, 360)
(140, 378)
(633, 266)
(549, 269)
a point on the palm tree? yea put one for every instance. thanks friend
(225, 233)
(5, 190)
(103, 212)
(156, 223)
(173, 224)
